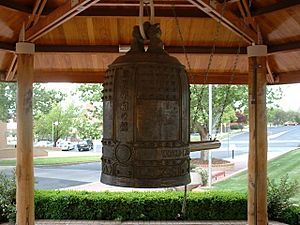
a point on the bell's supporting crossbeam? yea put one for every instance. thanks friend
(257, 163)
(24, 167)
(204, 145)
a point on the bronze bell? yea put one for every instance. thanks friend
(146, 117)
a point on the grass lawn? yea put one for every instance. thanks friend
(288, 163)
(55, 160)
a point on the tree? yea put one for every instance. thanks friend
(88, 128)
(227, 100)
(89, 123)
(43, 100)
(56, 124)
(223, 109)
(7, 101)
(279, 116)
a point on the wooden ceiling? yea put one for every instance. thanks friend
(77, 39)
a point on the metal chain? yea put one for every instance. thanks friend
(216, 36)
(232, 76)
(213, 49)
(228, 87)
(182, 41)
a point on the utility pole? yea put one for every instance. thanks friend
(210, 133)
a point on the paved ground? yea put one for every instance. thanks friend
(82, 222)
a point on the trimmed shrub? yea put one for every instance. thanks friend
(279, 196)
(291, 216)
(139, 205)
(7, 197)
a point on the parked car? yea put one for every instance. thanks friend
(67, 146)
(86, 145)
(43, 144)
(290, 123)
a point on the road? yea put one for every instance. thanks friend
(281, 139)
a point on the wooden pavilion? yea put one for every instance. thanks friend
(75, 41)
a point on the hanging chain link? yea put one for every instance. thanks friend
(232, 76)
(182, 41)
(199, 105)
(213, 49)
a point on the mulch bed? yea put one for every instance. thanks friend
(215, 162)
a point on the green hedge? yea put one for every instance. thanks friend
(146, 206)
(291, 216)
(139, 205)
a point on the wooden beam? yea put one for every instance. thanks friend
(195, 77)
(282, 5)
(15, 6)
(7, 47)
(105, 9)
(59, 16)
(258, 146)
(24, 165)
(288, 77)
(218, 78)
(284, 48)
(228, 19)
(196, 146)
(272, 49)
(270, 77)
(69, 76)
(98, 77)
(115, 49)
(12, 69)
(133, 10)
(53, 20)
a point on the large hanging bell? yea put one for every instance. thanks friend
(146, 117)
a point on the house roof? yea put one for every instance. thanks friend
(77, 39)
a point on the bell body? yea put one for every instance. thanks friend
(146, 119)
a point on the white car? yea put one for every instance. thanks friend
(43, 144)
(66, 146)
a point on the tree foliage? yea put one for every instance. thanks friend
(228, 102)
(7, 101)
(226, 99)
(89, 121)
(43, 100)
(58, 122)
(278, 116)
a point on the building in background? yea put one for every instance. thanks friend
(3, 133)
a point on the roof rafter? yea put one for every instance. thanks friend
(7, 47)
(283, 4)
(57, 17)
(228, 19)
(15, 6)
(49, 22)
(288, 47)
(105, 9)
(289, 77)
(198, 77)
(272, 49)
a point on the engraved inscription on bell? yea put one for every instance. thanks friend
(146, 117)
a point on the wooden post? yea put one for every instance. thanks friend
(257, 163)
(24, 167)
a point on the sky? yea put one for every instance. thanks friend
(289, 101)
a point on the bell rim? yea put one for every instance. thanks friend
(141, 183)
